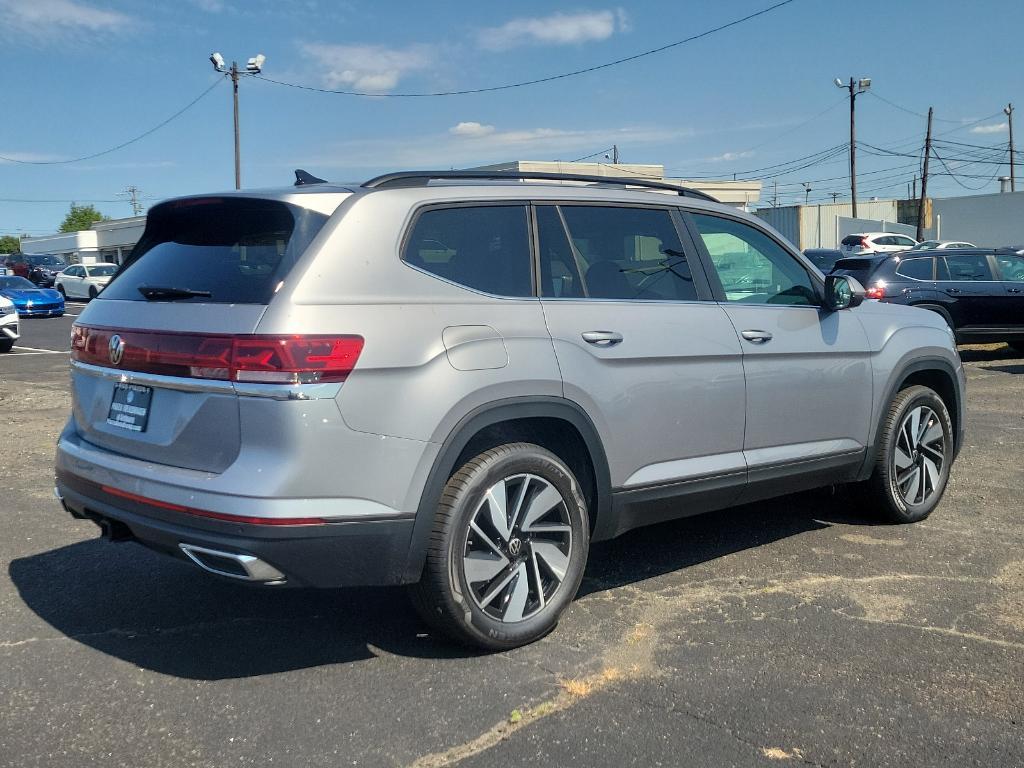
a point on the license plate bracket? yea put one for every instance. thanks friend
(129, 407)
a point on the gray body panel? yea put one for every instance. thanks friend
(682, 405)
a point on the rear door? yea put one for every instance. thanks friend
(808, 370)
(915, 279)
(1011, 275)
(656, 366)
(217, 262)
(967, 282)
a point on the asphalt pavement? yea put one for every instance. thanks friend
(795, 631)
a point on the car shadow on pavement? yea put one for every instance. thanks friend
(169, 617)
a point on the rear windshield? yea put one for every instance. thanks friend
(235, 249)
(852, 240)
(858, 268)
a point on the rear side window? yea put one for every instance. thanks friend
(916, 269)
(236, 249)
(970, 268)
(621, 252)
(1011, 267)
(482, 247)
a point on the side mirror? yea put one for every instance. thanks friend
(843, 292)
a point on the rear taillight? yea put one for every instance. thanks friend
(283, 359)
(864, 243)
(875, 291)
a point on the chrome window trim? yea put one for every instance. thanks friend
(318, 391)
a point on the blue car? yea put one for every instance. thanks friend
(29, 300)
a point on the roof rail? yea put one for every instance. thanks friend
(418, 178)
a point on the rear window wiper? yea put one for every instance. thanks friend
(156, 292)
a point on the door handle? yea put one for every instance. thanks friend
(756, 337)
(952, 290)
(1014, 290)
(602, 338)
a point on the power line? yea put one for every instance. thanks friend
(122, 145)
(910, 111)
(538, 80)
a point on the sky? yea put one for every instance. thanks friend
(82, 76)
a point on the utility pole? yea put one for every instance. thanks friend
(615, 154)
(253, 67)
(807, 192)
(133, 197)
(924, 178)
(775, 195)
(856, 87)
(1008, 111)
(914, 196)
(834, 196)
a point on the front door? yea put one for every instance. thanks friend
(808, 370)
(967, 281)
(1011, 274)
(655, 364)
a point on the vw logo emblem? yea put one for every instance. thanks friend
(116, 349)
(515, 547)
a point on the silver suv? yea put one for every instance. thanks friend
(459, 380)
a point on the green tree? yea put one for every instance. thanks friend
(81, 217)
(9, 244)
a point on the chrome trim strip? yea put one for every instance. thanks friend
(319, 391)
(325, 391)
(154, 380)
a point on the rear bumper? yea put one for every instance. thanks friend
(334, 554)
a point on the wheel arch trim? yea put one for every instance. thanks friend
(508, 409)
(896, 381)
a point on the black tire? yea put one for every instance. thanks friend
(60, 290)
(6, 345)
(93, 293)
(446, 599)
(883, 490)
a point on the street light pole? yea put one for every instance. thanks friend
(238, 149)
(1008, 111)
(253, 67)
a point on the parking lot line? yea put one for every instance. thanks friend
(37, 351)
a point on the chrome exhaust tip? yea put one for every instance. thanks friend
(233, 565)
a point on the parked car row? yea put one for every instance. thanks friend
(48, 271)
(979, 291)
(9, 328)
(30, 300)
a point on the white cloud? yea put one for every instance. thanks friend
(366, 68)
(993, 128)
(471, 129)
(48, 19)
(727, 157)
(556, 29)
(489, 146)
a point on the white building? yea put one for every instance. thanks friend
(104, 241)
(741, 194)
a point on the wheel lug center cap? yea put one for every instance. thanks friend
(515, 546)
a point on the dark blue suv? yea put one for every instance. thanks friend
(980, 291)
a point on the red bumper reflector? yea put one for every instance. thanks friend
(212, 515)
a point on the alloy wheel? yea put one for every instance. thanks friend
(517, 547)
(919, 455)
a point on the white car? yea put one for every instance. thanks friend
(941, 245)
(875, 242)
(84, 281)
(9, 329)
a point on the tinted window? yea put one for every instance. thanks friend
(883, 240)
(852, 240)
(904, 241)
(628, 253)
(753, 268)
(1011, 267)
(918, 269)
(73, 271)
(486, 247)
(238, 249)
(968, 267)
(14, 282)
(102, 271)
